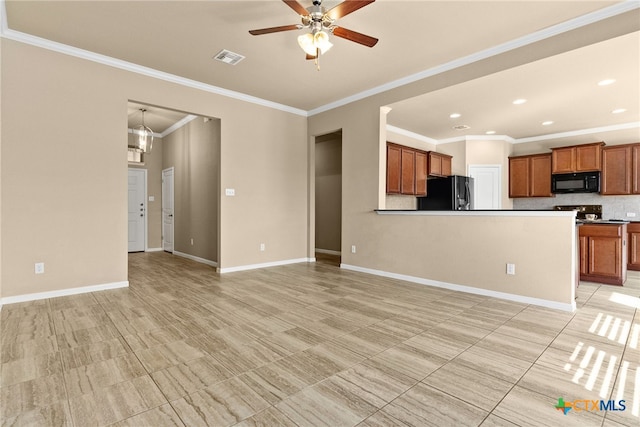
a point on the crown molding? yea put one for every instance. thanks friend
(578, 132)
(543, 34)
(410, 134)
(9, 34)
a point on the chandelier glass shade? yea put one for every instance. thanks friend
(142, 137)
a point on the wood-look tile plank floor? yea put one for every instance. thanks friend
(313, 345)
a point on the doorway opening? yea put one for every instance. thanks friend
(328, 198)
(183, 175)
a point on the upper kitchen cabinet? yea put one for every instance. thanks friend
(530, 176)
(406, 170)
(439, 164)
(577, 158)
(621, 170)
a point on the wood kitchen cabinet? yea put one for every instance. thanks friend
(577, 158)
(633, 243)
(439, 164)
(620, 170)
(603, 254)
(406, 170)
(530, 176)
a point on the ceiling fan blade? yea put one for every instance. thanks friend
(300, 10)
(354, 36)
(274, 29)
(346, 7)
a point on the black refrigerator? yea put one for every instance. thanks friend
(452, 193)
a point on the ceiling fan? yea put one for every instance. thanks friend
(321, 22)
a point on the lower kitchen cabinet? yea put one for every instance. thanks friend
(603, 253)
(633, 242)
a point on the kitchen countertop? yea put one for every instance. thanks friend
(479, 212)
(601, 222)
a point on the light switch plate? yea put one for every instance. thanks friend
(229, 192)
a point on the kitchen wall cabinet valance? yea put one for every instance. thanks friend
(406, 170)
(620, 170)
(439, 164)
(530, 176)
(577, 158)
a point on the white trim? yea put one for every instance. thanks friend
(468, 289)
(537, 36)
(264, 265)
(154, 250)
(505, 138)
(510, 213)
(578, 132)
(177, 125)
(410, 134)
(139, 69)
(328, 251)
(196, 258)
(543, 34)
(63, 292)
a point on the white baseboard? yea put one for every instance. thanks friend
(328, 252)
(154, 250)
(264, 265)
(196, 258)
(468, 289)
(63, 292)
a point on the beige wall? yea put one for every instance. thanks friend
(153, 166)
(63, 207)
(194, 152)
(328, 194)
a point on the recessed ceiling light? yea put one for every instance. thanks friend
(490, 132)
(519, 101)
(619, 110)
(606, 82)
(547, 123)
(454, 115)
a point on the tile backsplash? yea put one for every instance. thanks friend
(612, 206)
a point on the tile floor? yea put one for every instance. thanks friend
(313, 345)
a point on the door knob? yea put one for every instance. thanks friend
(141, 214)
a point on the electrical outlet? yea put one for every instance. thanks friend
(192, 241)
(230, 192)
(39, 268)
(262, 247)
(353, 249)
(631, 214)
(511, 269)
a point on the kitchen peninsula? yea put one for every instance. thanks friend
(469, 251)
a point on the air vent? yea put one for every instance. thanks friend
(228, 57)
(460, 127)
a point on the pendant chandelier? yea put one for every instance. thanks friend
(142, 137)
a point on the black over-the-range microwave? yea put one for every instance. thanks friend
(579, 182)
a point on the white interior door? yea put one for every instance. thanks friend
(487, 186)
(137, 209)
(167, 210)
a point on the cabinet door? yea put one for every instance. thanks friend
(633, 240)
(445, 166)
(588, 158)
(584, 259)
(394, 169)
(605, 256)
(540, 176)
(519, 177)
(563, 160)
(421, 173)
(616, 170)
(435, 164)
(408, 180)
(635, 169)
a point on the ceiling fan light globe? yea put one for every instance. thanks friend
(321, 41)
(305, 41)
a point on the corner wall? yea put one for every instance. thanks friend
(63, 207)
